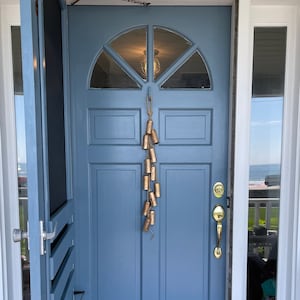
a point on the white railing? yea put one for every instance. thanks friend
(267, 238)
(268, 204)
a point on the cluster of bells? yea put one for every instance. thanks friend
(151, 186)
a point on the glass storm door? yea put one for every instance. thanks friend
(178, 59)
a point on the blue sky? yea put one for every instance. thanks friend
(266, 130)
(20, 124)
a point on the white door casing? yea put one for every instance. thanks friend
(266, 15)
(10, 252)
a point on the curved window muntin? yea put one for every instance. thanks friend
(176, 66)
(124, 66)
(183, 54)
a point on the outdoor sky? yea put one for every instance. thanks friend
(266, 130)
(20, 124)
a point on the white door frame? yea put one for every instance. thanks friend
(268, 13)
(249, 15)
(10, 274)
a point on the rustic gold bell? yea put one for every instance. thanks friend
(152, 155)
(147, 224)
(149, 126)
(146, 208)
(153, 173)
(146, 142)
(146, 182)
(154, 137)
(157, 189)
(152, 199)
(152, 217)
(147, 165)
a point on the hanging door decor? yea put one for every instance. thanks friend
(151, 184)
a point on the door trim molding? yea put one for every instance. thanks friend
(241, 155)
(9, 208)
(271, 15)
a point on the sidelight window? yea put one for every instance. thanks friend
(265, 160)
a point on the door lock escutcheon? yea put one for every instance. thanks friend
(218, 216)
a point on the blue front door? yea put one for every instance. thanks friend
(180, 57)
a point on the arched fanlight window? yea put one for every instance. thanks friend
(126, 64)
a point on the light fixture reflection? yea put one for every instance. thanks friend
(156, 64)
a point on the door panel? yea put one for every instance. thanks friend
(118, 244)
(175, 260)
(184, 219)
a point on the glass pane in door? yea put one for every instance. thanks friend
(132, 47)
(169, 46)
(265, 161)
(21, 152)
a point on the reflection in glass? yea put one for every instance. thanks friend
(265, 161)
(17, 63)
(268, 69)
(132, 47)
(192, 74)
(170, 46)
(156, 64)
(21, 152)
(108, 74)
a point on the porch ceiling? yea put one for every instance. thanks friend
(151, 2)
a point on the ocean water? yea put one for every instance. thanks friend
(259, 172)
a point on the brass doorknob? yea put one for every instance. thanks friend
(218, 215)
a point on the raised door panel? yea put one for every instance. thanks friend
(116, 206)
(184, 234)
